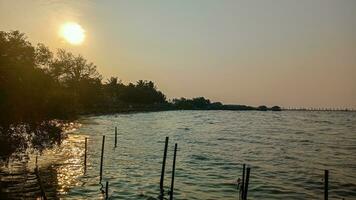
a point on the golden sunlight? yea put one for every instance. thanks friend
(72, 33)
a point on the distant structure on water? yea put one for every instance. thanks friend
(320, 109)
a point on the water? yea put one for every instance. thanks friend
(287, 153)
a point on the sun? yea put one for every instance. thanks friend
(72, 33)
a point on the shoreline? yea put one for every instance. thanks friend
(168, 107)
(148, 110)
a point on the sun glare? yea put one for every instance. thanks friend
(72, 33)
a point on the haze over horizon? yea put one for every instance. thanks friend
(277, 52)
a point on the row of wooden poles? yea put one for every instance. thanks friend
(243, 188)
(161, 185)
(244, 184)
(101, 161)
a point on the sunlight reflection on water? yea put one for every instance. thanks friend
(65, 163)
(287, 152)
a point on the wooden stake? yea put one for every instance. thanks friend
(326, 184)
(243, 181)
(173, 171)
(246, 184)
(115, 136)
(102, 158)
(163, 167)
(107, 190)
(85, 154)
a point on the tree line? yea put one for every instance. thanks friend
(40, 88)
(201, 103)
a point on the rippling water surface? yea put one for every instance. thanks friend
(287, 153)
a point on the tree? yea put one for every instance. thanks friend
(38, 88)
(24, 94)
(262, 108)
(276, 108)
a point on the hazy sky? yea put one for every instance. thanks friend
(274, 52)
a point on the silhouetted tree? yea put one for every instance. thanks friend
(25, 93)
(262, 108)
(276, 108)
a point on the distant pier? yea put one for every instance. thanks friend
(320, 109)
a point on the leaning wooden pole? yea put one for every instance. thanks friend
(163, 167)
(173, 171)
(246, 183)
(326, 184)
(102, 158)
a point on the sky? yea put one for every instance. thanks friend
(292, 53)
